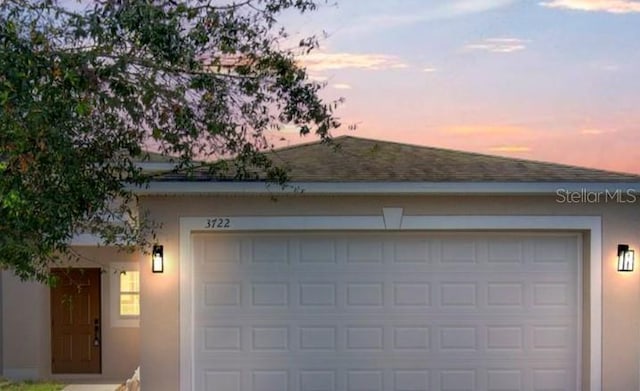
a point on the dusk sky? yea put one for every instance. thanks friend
(551, 80)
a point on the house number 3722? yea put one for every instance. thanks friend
(218, 223)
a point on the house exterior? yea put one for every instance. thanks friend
(384, 267)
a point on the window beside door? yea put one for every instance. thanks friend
(125, 295)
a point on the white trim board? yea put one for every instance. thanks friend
(591, 224)
(381, 188)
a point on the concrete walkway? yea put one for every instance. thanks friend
(91, 387)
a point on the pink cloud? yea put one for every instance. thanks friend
(483, 130)
(611, 6)
(319, 61)
(341, 86)
(498, 45)
(510, 149)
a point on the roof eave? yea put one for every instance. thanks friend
(389, 188)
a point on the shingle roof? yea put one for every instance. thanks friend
(356, 159)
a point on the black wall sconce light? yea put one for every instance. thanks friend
(625, 258)
(157, 259)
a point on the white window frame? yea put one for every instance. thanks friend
(114, 284)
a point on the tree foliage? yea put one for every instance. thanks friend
(87, 87)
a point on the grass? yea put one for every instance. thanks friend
(6, 385)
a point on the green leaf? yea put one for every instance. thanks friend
(83, 108)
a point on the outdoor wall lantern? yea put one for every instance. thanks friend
(157, 259)
(625, 258)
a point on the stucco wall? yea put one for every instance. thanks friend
(22, 318)
(160, 292)
(26, 326)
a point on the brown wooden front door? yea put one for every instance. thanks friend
(76, 329)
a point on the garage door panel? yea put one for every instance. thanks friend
(455, 252)
(269, 294)
(221, 338)
(365, 250)
(220, 293)
(221, 380)
(432, 318)
(508, 295)
(503, 252)
(553, 294)
(411, 250)
(404, 297)
(216, 250)
(315, 337)
(317, 294)
(412, 293)
(491, 338)
(424, 294)
(481, 311)
(396, 379)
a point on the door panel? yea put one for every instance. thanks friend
(75, 321)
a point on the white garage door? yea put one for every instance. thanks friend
(374, 312)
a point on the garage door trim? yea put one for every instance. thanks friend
(591, 224)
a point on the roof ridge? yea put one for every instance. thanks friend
(485, 155)
(368, 160)
(303, 144)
